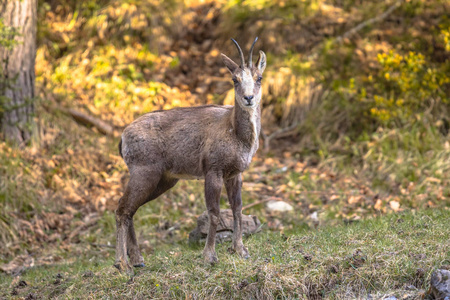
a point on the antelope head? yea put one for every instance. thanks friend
(246, 78)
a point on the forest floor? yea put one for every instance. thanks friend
(388, 256)
(349, 235)
(369, 211)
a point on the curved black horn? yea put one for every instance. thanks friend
(250, 63)
(241, 55)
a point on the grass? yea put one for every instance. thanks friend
(393, 254)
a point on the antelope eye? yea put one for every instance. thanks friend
(235, 81)
(259, 79)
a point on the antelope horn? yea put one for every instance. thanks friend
(241, 55)
(250, 63)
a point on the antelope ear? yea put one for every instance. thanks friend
(229, 63)
(261, 63)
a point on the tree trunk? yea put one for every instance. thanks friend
(17, 73)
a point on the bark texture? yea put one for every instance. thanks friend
(17, 75)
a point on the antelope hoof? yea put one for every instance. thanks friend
(140, 265)
(137, 260)
(211, 257)
(243, 252)
(123, 266)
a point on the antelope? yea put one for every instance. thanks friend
(211, 142)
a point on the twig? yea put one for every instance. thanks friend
(277, 134)
(258, 202)
(80, 117)
(102, 245)
(368, 22)
(82, 227)
(84, 119)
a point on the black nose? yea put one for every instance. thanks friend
(248, 98)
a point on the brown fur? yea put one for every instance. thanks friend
(212, 142)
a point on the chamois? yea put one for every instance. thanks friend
(213, 142)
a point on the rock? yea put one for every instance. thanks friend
(440, 284)
(250, 225)
(315, 219)
(279, 206)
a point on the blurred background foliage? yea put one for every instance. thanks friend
(355, 118)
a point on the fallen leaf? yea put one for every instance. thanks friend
(395, 205)
(354, 199)
(378, 204)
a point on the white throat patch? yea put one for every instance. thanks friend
(253, 114)
(253, 119)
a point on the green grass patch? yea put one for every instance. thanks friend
(384, 255)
